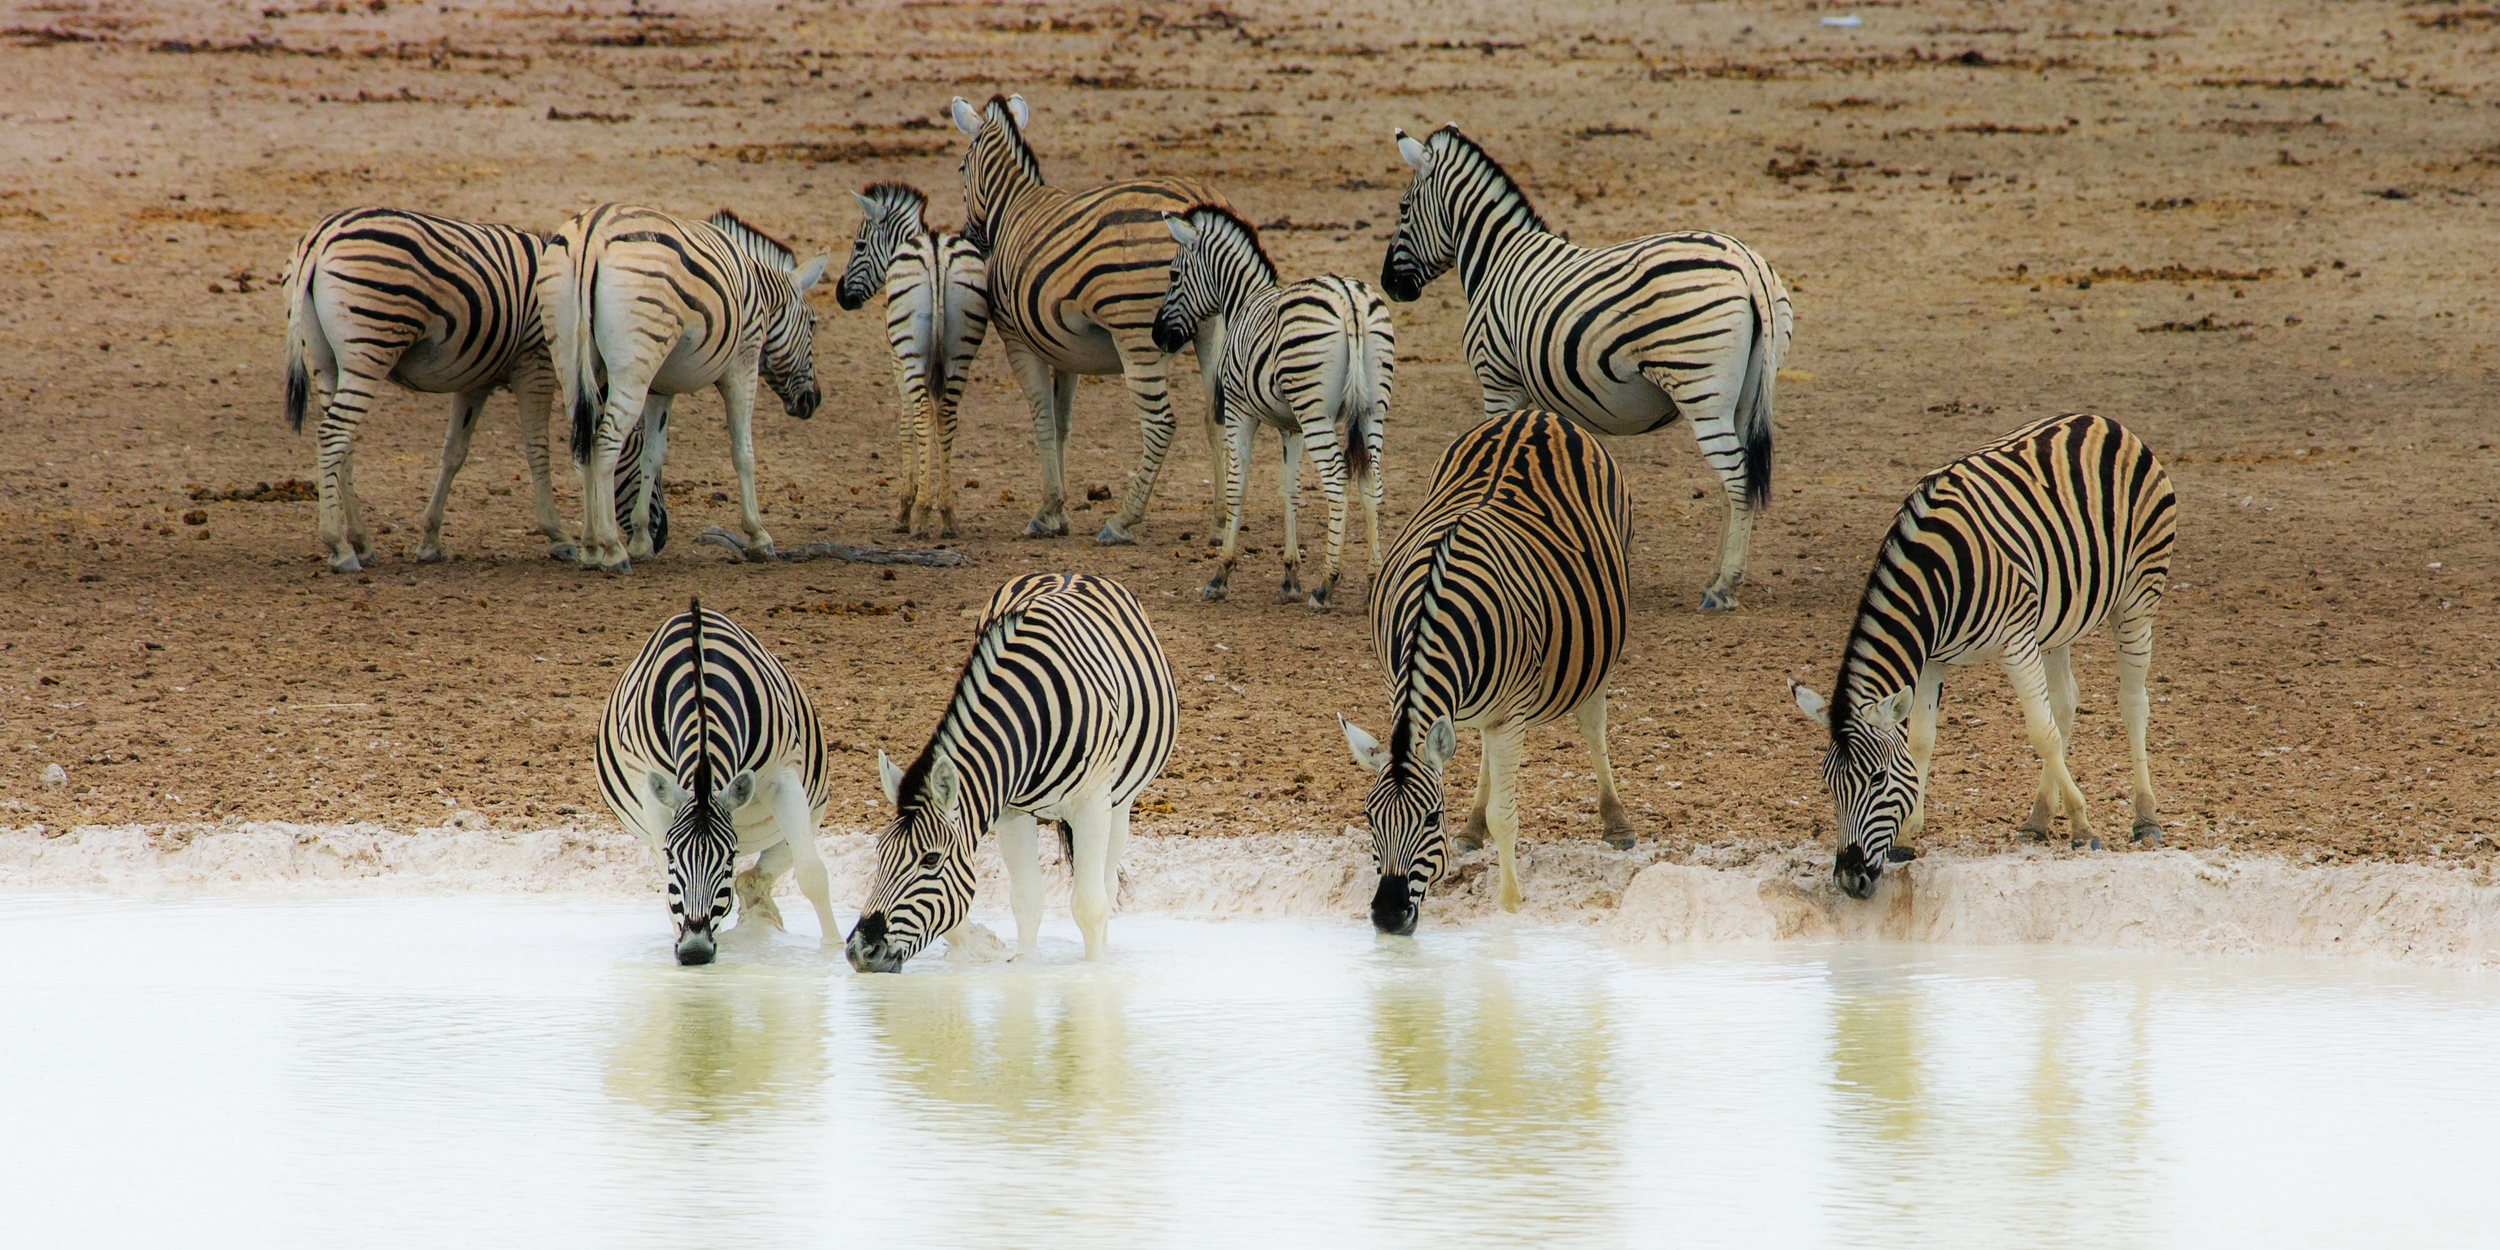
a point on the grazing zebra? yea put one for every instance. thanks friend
(1502, 609)
(1074, 281)
(1622, 339)
(2008, 554)
(644, 307)
(435, 305)
(937, 308)
(1313, 359)
(710, 751)
(1064, 712)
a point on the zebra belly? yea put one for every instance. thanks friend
(1608, 407)
(1077, 345)
(429, 366)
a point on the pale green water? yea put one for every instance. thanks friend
(459, 1071)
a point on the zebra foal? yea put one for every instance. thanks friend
(937, 308)
(1623, 339)
(1314, 359)
(434, 305)
(1074, 279)
(1064, 711)
(644, 307)
(708, 750)
(2008, 554)
(1502, 609)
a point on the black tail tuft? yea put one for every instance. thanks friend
(298, 392)
(585, 424)
(1757, 461)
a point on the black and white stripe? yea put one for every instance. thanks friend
(709, 750)
(1623, 339)
(1065, 711)
(2010, 554)
(644, 307)
(1502, 609)
(937, 309)
(434, 305)
(1314, 359)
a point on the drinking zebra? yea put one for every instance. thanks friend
(937, 308)
(1064, 711)
(435, 305)
(1623, 339)
(709, 751)
(645, 307)
(1074, 280)
(1313, 359)
(2008, 554)
(1502, 609)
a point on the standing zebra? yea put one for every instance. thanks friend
(645, 307)
(1074, 280)
(1622, 339)
(2008, 554)
(709, 750)
(1502, 609)
(1064, 711)
(435, 305)
(1313, 359)
(937, 308)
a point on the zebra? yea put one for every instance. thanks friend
(1074, 279)
(937, 308)
(708, 750)
(1503, 608)
(435, 305)
(1623, 339)
(1064, 711)
(1311, 359)
(644, 307)
(2010, 554)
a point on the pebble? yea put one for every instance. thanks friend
(55, 775)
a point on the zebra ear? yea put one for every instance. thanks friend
(867, 206)
(1418, 158)
(1021, 111)
(1440, 743)
(1811, 704)
(1366, 748)
(944, 783)
(967, 119)
(741, 789)
(664, 788)
(1181, 229)
(891, 774)
(810, 273)
(1894, 708)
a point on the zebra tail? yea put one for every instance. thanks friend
(583, 347)
(1360, 400)
(1753, 403)
(300, 321)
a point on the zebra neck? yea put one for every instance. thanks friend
(1490, 216)
(1887, 648)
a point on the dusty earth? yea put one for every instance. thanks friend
(2259, 233)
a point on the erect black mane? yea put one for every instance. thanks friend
(1248, 231)
(702, 710)
(1470, 146)
(998, 112)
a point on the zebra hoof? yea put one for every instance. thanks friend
(1318, 602)
(1289, 592)
(1620, 839)
(1111, 536)
(1041, 528)
(761, 553)
(1718, 601)
(2077, 844)
(346, 564)
(1213, 591)
(1466, 843)
(619, 568)
(2148, 832)
(562, 551)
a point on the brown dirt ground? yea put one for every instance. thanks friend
(2309, 180)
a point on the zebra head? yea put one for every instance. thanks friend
(924, 866)
(700, 846)
(789, 358)
(891, 215)
(1404, 809)
(995, 163)
(1219, 259)
(1873, 780)
(1457, 190)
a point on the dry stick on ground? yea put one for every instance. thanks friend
(725, 537)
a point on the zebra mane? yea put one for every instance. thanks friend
(702, 710)
(890, 196)
(755, 243)
(969, 684)
(1402, 732)
(1249, 233)
(1448, 140)
(998, 114)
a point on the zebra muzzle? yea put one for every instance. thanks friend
(868, 950)
(1396, 905)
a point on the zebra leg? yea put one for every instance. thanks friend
(795, 818)
(1501, 767)
(1329, 456)
(535, 394)
(1234, 465)
(602, 544)
(1923, 706)
(2057, 667)
(1592, 718)
(464, 409)
(1471, 838)
(1715, 434)
(2024, 667)
(342, 522)
(1147, 373)
(1044, 391)
(651, 457)
(1289, 484)
(755, 888)
(1209, 351)
(937, 485)
(1091, 830)
(2135, 656)
(1019, 843)
(912, 428)
(1115, 845)
(737, 392)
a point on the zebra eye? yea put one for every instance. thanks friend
(930, 860)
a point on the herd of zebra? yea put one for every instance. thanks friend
(1502, 606)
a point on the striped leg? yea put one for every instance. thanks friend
(912, 425)
(2025, 667)
(342, 519)
(1328, 456)
(1233, 466)
(1923, 707)
(1046, 391)
(1147, 372)
(534, 391)
(737, 392)
(1210, 355)
(651, 450)
(1501, 767)
(2057, 666)
(463, 423)
(1019, 843)
(602, 545)
(936, 506)
(1592, 718)
(1289, 484)
(1471, 838)
(2135, 657)
(1714, 431)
